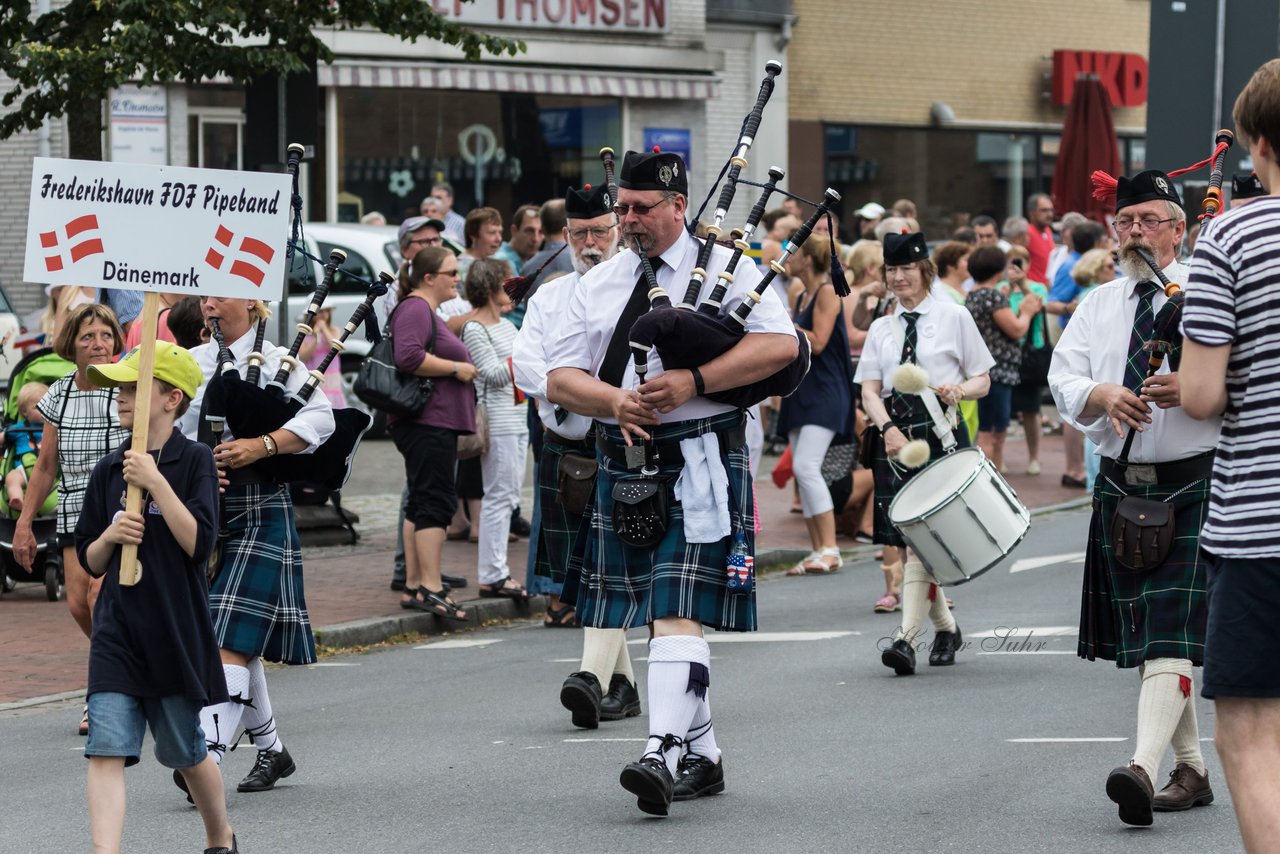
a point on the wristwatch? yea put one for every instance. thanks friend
(454, 371)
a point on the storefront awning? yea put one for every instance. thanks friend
(490, 78)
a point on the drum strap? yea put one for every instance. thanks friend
(941, 427)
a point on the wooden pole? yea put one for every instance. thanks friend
(130, 568)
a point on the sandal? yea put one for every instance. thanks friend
(504, 589)
(84, 721)
(888, 603)
(820, 566)
(438, 603)
(562, 618)
(799, 569)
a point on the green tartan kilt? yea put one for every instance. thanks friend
(621, 587)
(560, 534)
(1132, 617)
(889, 480)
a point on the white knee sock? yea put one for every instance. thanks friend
(702, 736)
(622, 664)
(600, 651)
(1186, 736)
(915, 599)
(939, 612)
(220, 720)
(1160, 706)
(257, 719)
(673, 694)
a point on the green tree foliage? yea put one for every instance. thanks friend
(65, 61)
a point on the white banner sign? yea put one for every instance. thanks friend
(198, 232)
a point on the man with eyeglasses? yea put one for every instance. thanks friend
(1144, 602)
(592, 236)
(655, 442)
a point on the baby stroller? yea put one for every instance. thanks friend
(41, 366)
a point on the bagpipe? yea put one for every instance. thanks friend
(248, 409)
(691, 334)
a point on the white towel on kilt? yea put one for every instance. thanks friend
(703, 490)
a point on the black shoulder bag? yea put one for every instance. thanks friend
(383, 386)
(1034, 370)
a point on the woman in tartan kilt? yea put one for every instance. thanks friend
(1143, 605)
(943, 339)
(258, 606)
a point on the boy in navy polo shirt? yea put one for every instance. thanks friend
(153, 658)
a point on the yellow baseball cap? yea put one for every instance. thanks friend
(173, 365)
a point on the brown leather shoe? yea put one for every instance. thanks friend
(1130, 787)
(1186, 789)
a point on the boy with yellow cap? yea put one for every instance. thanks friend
(153, 658)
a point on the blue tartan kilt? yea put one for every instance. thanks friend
(1132, 617)
(621, 587)
(257, 600)
(888, 481)
(560, 534)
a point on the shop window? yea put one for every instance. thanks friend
(496, 149)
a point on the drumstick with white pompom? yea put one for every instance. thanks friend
(910, 378)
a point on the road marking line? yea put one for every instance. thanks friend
(1031, 652)
(593, 740)
(335, 664)
(1047, 560)
(767, 637)
(1009, 632)
(460, 643)
(1062, 740)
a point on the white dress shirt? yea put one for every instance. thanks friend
(543, 321)
(312, 424)
(600, 296)
(1093, 349)
(948, 346)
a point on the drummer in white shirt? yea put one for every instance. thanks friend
(941, 338)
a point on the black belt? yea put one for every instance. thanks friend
(247, 476)
(583, 445)
(668, 451)
(1173, 473)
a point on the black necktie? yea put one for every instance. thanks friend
(909, 340)
(615, 358)
(1144, 326)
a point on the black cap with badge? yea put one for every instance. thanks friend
(1247, 187)
(903, 249)
(654, 170)
(1150, 186)
(587, 203)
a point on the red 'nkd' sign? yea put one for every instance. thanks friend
(1123, 75)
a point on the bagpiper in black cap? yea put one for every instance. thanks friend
(587, 203)
(655, 170)
(1247, 187)
(903, 249)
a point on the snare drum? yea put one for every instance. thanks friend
(959, 516)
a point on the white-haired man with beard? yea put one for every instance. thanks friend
(568, 452)
(1144, 598)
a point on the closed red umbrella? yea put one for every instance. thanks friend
(1088, 144)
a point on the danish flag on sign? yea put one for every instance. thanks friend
(81, 242)
(246, 269)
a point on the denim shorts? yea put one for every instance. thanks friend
(993, 409)
(117, 723)
(1239, 659)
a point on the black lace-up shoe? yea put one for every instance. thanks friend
(698, 776)
(901, 657)
(622, 701)
(234, 849)
(650, 781)
(943, 651)
(580, 694)
(269, 768)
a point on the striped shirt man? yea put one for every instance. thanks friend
(1233, 298)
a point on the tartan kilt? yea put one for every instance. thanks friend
(1132, 617)
(621, 587)
(257, 600)
(888, 480)
(560, 534)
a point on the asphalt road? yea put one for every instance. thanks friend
(460, 744)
